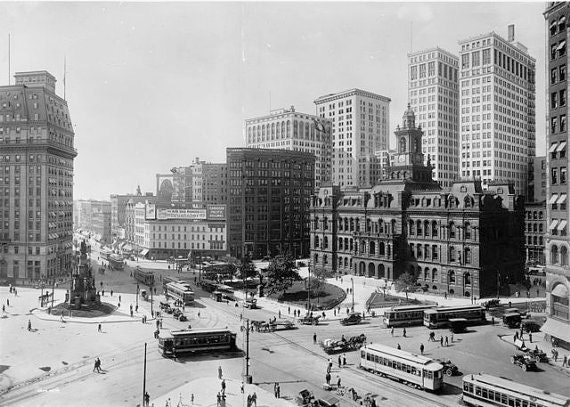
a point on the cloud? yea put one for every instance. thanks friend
(415, 12)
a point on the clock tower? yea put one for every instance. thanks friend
(409, 159)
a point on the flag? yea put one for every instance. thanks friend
(319, 125)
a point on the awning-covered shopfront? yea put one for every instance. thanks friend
(557, 329)
(144, 252)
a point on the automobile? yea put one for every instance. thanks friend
(449, 368)
(538, 355)
(457, 325)
(251, 303)
(512, 319)
(182, 318)
(530, 326)
(524, 361)
(327, 401)
(282, 324)
(493, 302)
(353, 319)
(309, 320)
(176, 312)
(304, 398)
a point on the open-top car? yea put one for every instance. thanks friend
(449, 368)
(524, 361)
(538, 355)
(309, 320)
(353, 319)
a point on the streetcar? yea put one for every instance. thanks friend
(115, 262)
(405, 315)
(183, 341)
(143, 276)
(483, 390)
(420, 371)
(180, 291)
(105, 253)
(169, 279)
(439, 317)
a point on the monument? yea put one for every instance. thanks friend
(82, 293)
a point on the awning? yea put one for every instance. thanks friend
(552, 24)
(144, 252)
(562, 20)
(556, 329)
(561, 45)
(553, 199)
(561, 147)
(562, 199)
(562, 225)
(560, 291)
(553, 224)
(553, 147)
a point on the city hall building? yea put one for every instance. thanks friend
(460, 240)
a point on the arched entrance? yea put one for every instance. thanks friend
(371, 270)
(361, 268)
(381, 271)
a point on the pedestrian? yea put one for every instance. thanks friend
(99, 328)
(339, 361)
(338, 381)
(248, 400)
(530, 337)
(278, 390)
(98, 365)
(103, 292)
(315, 337)
(275, 389)
(111, 296)
(392, 331)
(279, 314)
(241, 388)
(254, 399)
(223, 386)
(7, 302)
(288, 310)
(137, 308)
(446, 341)
(220, 372)
(452, 338)
(399, 347)
(3, 308)
(492, 320)
(404, 332)
(422, 348)
(95, 364)
(441, 341)
(328, 378)
(29, 325)
(198, 314)
(147, 399)
(344, 359)
(565, 361)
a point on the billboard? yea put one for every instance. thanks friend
(150, 211)
(216, 211)
(172, 213)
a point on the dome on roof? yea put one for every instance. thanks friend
(409, 118)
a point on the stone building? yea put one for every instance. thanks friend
(460, 240)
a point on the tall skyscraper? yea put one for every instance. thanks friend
(360, 123)
(287, 129)
(497, 86)
(557, 325)
(433, 93)
(36, 175)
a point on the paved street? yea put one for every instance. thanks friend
(54, 361)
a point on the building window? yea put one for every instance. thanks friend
(553, 100)
(562, 71)
(465, 60)
(553, 124)
(563, 122)
(553, 75)
(563, 97)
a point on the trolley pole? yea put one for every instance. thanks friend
(144, 376)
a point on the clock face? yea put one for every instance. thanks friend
(401, 158)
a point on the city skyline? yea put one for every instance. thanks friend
(182, 99)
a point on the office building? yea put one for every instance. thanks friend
(287, 129)
(36, 179)
(497, 109)
(268, 201)
(119, 207)
(557, 326)
(461, 240)
(360, 122)
(433, 93)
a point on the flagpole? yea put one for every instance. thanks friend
(8, 59)
(64, 75)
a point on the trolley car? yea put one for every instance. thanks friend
(439, 317)
(184, 341)
(144, 276)
(405, 315)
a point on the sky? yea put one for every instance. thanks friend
(151, 86)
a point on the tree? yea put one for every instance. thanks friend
(281, 274)
(246, 269)
(405, 283)
(319, 275)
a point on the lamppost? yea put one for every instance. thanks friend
(352, 291)
(247, 377)
(309, 289)
(137, 296)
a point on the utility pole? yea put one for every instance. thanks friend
(309, 290)
(352, 291)
(248, 378)
(144, 376)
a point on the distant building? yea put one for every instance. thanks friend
(360, 123)
(461, 240)
(557, 326)
(537, 180)
(535, 229)
(433, 89)
(287, 129)
(161, 233)
(119, 206)
(497, 109)
(268, 201)
(36, 174)
(95, 218)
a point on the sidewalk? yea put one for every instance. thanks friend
(205, 390)
(544, 345)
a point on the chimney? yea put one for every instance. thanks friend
(511, 32)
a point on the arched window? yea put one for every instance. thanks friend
(467, 231)
(434, 228)
(325, 223)
(403, 145)
(340, 243)
(467, 278)
(412, 250)
(316, 244)
(426, 227)
(467, 255)
(434, 274)
(563, 256)
(326, 242)
(451, 277)
(411, 228)
(434, 252)
(316, 223)
(420, 251)
(381, 248)
(452, 230)
(554, 254)
(419, 227)
(372, 248)
(426, 274)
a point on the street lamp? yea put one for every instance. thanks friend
(137, 296)
(309, 289)
(352, 291)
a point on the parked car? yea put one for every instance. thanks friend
(176, 313)
(493, 302)
(524, 361)
(182, 318)
(449, 368)
(531, 326)
(353, 319)
(538, 355)
(309, 320)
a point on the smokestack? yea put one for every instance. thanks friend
(511, 32)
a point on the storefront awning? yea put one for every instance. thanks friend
(144, 252)
(562, 225)
(561, 146)
(557, 329)
(561, 45)
(560, 291)
(553, 199)
(562, 199)
(553, 224)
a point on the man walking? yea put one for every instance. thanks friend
(392, 331)
(441, 341)
(422, 348)
(446, 341)
(328, 378)
(404, 332)
(99, 328)
(315, 337)
(220, 372)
